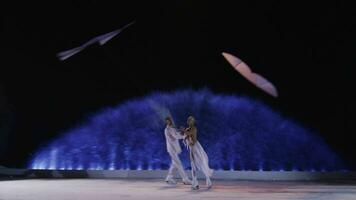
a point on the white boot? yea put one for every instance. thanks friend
(195, 187)
(186, 181)
(209, 184)
(171, 181)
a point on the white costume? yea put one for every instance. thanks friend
(199, 161)
(173, 148)
(198, 158)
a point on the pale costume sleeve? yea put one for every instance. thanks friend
(172, 142)
(176, 134)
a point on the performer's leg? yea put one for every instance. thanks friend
(195, 184)
(207, 176)
(178, 165)
(171, 172)
(208, 182)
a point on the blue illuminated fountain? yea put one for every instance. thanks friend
(238, 133)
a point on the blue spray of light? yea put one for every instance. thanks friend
(238, 133)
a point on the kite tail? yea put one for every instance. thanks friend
(66, 54)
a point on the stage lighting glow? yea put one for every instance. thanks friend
(237, 132)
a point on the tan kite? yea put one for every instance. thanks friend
(254, 78)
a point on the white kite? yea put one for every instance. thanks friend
(101, 39)
(254, 78)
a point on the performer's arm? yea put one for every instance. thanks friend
(174, 132)
(188, 132)
(191, 134)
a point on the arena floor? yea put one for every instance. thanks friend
(110, 189)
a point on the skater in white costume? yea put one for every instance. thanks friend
(198, 158)
(173, 147)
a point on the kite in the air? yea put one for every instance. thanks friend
(254, 78)
(101, 39)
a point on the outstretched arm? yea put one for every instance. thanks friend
(175, 133)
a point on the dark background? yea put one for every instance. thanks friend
(306, 50)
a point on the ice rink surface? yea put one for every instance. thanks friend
(122, 189)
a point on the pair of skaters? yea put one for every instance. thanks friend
(198, 158)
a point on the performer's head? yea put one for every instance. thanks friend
(191, 121)
(169, 121)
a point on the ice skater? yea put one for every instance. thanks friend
(198, 158)
(173, 147)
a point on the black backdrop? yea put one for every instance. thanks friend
(305, 49)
